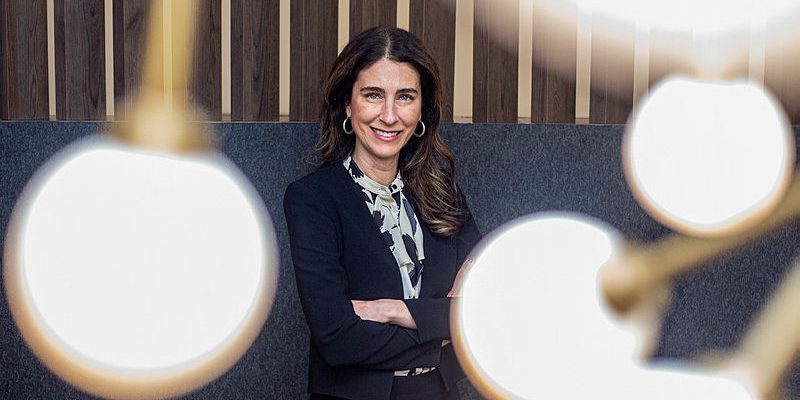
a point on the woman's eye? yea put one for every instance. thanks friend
(374, 96)
(406, 97)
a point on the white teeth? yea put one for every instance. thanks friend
(384, 134)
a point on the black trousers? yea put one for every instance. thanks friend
(428, 386)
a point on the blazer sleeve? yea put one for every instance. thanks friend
(341, 337)
(468, 237)
(432, 315)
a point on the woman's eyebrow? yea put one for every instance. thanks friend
(372, 89)
(381, 90)
(408, 90)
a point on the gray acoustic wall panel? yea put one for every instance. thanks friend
(506, 171)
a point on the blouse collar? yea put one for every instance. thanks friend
(368, 183)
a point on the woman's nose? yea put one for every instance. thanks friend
(388, 115)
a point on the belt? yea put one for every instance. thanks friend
(414, 371)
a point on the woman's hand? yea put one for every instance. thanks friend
(454, 291)
(385, 311)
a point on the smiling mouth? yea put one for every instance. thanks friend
(385, 134)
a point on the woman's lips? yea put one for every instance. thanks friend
(386, 136)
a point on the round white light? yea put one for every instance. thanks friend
(529, 318)
(707, 158)
(139, 274)
(530, 322)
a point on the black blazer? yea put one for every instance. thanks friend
(339, 256)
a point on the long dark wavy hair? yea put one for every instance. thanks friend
(425, 163)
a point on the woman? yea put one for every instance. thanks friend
(380, 230)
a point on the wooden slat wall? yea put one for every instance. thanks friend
(434, 22)
(23, 48)
(130, 34)
(80, 59)
(130, 30)
(313, 51)
(495, 59)
(611, 91)
(255, 31)
(255, 27)
(670, 59)
(365, 14)
(555, 42)
(205, 80)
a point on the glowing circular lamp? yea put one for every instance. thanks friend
(708, 158)
(138, 273)
(525, 303)
(531, 323)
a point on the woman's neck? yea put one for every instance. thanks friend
(379, 171)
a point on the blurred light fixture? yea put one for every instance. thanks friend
(531, 323)
(142, 264)
(708, 158)
(139, 274)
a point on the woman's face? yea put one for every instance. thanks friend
(385, 105)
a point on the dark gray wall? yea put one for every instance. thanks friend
(506, 171)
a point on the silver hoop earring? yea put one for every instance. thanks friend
(344, 126)
(420, 134)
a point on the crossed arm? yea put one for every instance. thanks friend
(378, 334)
(391, 311)
(396, 311)
(385, 311)
(341, 336)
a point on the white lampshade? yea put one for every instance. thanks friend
(531, 323)
(708, 158)
(139, 274)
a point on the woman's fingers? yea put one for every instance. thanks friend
(385, 311)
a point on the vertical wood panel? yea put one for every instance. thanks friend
(205, 75)
(313, 51)
(611, 91)
(365, 14)
(781, 77)
(738, 66)
(80, 59)
(555, 42)
(23, 48)
(495, 58)
(130, 31)
(255, 31)
(434, 22)
(669, 54)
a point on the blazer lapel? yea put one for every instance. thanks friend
(364, 219)
(439, 255)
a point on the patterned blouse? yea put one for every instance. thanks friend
(395, 217)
